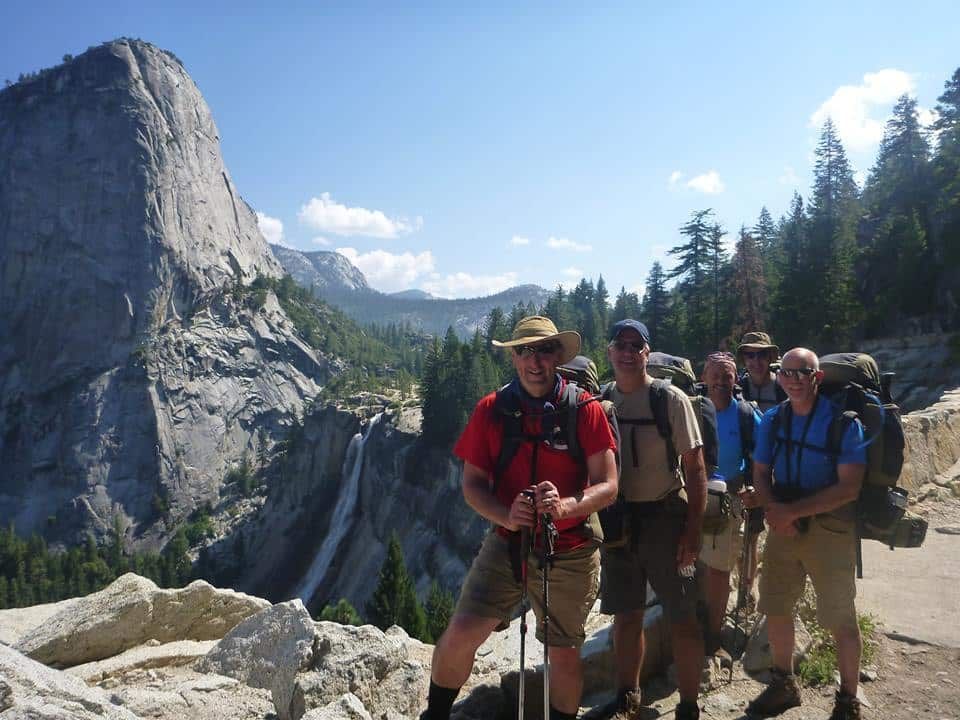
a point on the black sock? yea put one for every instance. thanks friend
(439, 702)
(557, 715)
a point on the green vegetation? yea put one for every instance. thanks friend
(31, 573)
(820, 663)
(343, 612)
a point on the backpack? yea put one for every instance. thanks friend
(564, 436)
(744, 388)
(679, 372)
(853, 383)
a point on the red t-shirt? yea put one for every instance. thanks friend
(480, 445)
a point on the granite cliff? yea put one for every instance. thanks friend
(131, 377)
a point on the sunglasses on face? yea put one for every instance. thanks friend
(755, 354)
(527, 351)
(627, 346)
(796, 373)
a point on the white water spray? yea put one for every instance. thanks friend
(342, 515)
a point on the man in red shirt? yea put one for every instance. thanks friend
(570, 490)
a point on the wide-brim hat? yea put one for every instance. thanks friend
(757, 341)
(537, 329)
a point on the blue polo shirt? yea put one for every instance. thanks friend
(730, 455)
(811, 467)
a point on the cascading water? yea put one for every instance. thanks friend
(342, 514)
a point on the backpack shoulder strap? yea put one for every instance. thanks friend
(743, 382)
(659, 399)
(779, 392)
(570, 404)
(746, 412)
(511, 423)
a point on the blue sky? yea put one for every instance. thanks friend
(465, 149)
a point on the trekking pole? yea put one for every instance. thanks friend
(524, 606)
(548, 535)
(743, 587)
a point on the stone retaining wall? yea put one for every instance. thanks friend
(933, 444)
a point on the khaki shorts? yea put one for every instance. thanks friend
(722, 550)
(650, 555)
(827, 552)
(490, 589)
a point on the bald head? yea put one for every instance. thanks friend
(803, 356)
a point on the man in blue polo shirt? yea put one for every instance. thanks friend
(737, 422)
(808, 484)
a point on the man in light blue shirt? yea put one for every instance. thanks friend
(808, 475)
(737, 421)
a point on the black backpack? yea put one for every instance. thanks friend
(562, 436)
(853, 383)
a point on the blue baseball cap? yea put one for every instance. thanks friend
(630, 324)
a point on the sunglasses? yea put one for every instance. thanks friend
(796, 373)
(754, 354)
(527, 351)
(625, 345)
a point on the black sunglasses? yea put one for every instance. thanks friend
(622, 345)
(526, 351)
(754, 354)
(796, 373)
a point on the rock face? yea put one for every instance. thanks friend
(267, 650)
(932, 443)
(31, 690)
(129, 374)
(131, 611)
(321, 269)
(924, 367)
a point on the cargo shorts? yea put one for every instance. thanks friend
(649, 555)
(721, 550)
(827, 553)
(491, 590)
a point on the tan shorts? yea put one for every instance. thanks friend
(826, 552)
(721, 550)
(490, 589)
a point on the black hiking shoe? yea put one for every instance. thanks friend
(779, 696)
(629, 706)
(687, 711)
(845, 707)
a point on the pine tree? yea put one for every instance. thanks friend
(343, 612)
(768, 246)
(439, 610)
(694, 269)
(656, 302)
(749, 286)
(834, 211)
(627, 305)
(945, 236)
(394, 601)
(791, 313)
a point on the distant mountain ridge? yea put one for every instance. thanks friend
(336, 280)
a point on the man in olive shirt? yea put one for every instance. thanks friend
(665, 513)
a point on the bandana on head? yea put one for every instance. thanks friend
(721, 358)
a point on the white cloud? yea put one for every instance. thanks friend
(271, 228)
(327, 215)
(567, 244)
(675, 177)
(320, 240)
(709, 182)
(461, 284)
(387, 271)
(789, 177)
(850, 107)
(518, 240)
(573, 272)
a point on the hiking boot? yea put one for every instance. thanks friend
(845, 707)
(779, 696)
(715, 650)
(687, 711)
(628, 706)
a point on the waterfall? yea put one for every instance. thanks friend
(342, 515)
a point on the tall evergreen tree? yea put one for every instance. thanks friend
(749, 286)
(834, 211)
(439, 610)
(656, 302)
(945, 240)
(627, 305)
(768, 246)
(791, 312)
(394, 601)
(694, 271)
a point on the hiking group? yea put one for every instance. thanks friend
(642, 478)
